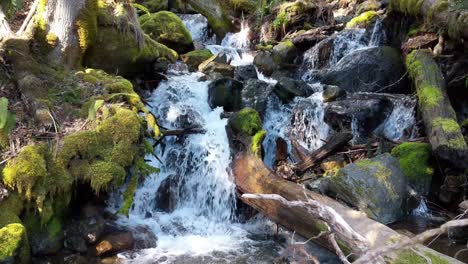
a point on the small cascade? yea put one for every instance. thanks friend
(302, 119)
(400, 123)
(197, 24)
(422, 210)
(239, 40)
(378, 34)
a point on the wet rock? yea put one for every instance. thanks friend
(284, 52)
(385, 202)
(265, 63)
(114, 243)
(213, 68)
(379, 69)
(245, 72)
(86, 230)
(287, 88)
(166, 195)
(188, 119)
(227, 93)
(367, 110)
(425, 41)
(144, 237)
(3, 192)
(332, 92)
(255, 95)
(47, 240)
(76, 259)
(194, 58)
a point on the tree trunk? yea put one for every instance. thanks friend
(5, 30)
(439, 118)
(451, 18)
(253, 177)
(60, 18)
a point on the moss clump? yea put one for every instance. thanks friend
(415, 162)
(430, 96)
(257, 141)
(10, 209)
(407, 256)
(457, 143)
(362, 20)
(14, 246)
(247, 121)
(102, 174)
(87, 25)
(128, 195)
(448, 125)
(167, 28)
(196, 57)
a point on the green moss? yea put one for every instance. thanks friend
(196, 57)
(430, 96)
(448, 125)
(167, 28)
(10, 209)
(128, 195)
(457, 143)
(102, 174)
(245, 6)
(257, 141)
(362, 20)
(381, 174)
(217, 16)
(246, 121)
(14, 245)
(411, 7)
(408, 256)
(86, 24)
(415, 162)
(369, 5)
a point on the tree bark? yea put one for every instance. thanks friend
(439, 118)
(5, 30)
(451, 18)
(253, 177)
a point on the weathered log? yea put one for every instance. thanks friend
(253, 177)
(5, 30)
(281, 150)
(446, 15)
(181, 132)
(442, 129)
(335, 143)
(299, 151)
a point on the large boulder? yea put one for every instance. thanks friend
(217, 66)
(115, 243)
(379, 69)
(368, 111)
(376, 186)
(255, 95)
(227, 93)
(284, 52)
(217, 13)
(167, 28)
(114, 52)
(287, 88)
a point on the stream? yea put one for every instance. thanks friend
(191, 204)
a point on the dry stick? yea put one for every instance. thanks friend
(31, 13)
(371, 255)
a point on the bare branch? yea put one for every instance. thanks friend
(5, 30)
(31, 13)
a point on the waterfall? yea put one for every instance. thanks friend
(422, 210)
(198, 26)
(302, 119)
(239, 40)
(401, 121)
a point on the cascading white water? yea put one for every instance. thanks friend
(301, 119)
(197, 24)
(239, 40)
(401, 121)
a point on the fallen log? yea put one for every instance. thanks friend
(336, 142)
(253, 177)
(445, 15)
(299, 151)
(440, 121)
(181, 132)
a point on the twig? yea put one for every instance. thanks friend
(31, 13)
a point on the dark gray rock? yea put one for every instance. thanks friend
(367, 110)
(167, 194)
(245, 72)
(284, 52)
(265, 63)
(255, 95)
(376, 186)
(369, 70)
(225, 92)
(287, 88)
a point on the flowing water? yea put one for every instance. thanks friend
(190, 205)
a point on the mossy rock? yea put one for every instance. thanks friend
(244, 6)
(167, 28)
(194, 58)
(116, 52)
(247, 122)
(363, 20)
(217, 12)
(415, 161)
(14, 246)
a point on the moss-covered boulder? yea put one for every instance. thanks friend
(363, 20)
(194, 58)
(284, 52)
(247, 122)
(217, 12)
(14, 247)
(376, 186)
(415, 161)
(167, 28)
(115, 52)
